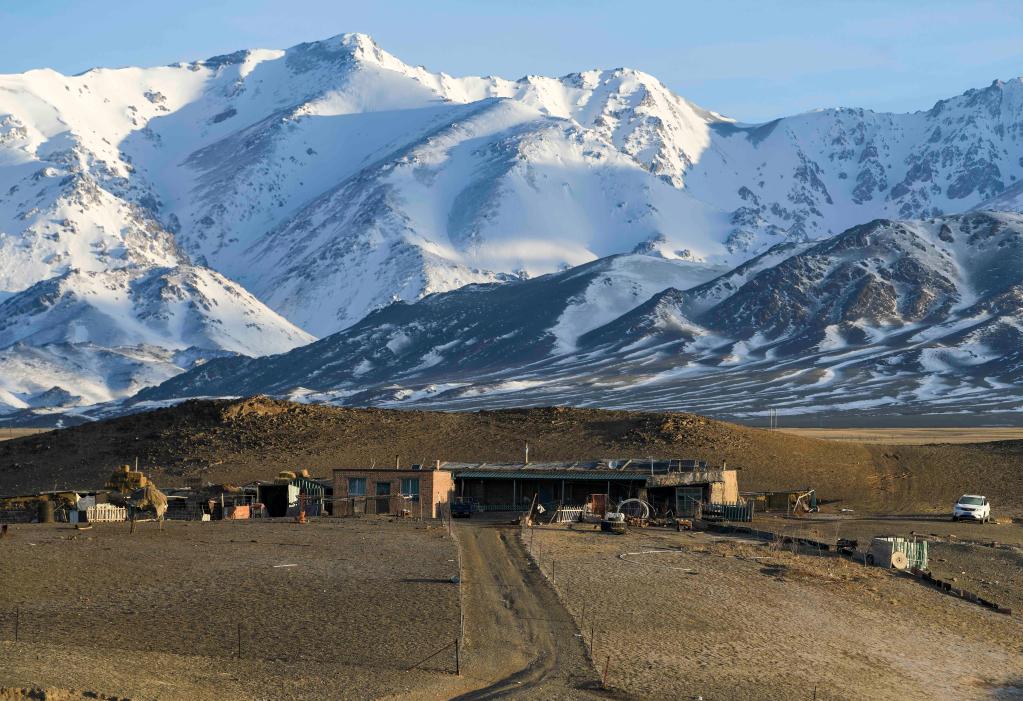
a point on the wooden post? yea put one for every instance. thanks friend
(239, 641)
(458, 662)
(607, 663)
(592, 631)
(17, 623)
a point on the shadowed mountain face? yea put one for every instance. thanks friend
(917, 317)
(317, 185)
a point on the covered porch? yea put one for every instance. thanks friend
(506, 490)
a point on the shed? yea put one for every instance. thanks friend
(288, 495)
(311, 495)
(280, 499)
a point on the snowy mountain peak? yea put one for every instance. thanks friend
(1001, 99)
(361, 46)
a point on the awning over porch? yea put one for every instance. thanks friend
(580, 475)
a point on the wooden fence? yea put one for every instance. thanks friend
(106, 513)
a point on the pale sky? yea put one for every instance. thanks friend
(752, 61)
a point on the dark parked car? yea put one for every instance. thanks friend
(462, 507)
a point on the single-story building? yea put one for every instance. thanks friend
(420, 490)
(668, 485)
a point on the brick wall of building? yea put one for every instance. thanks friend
(435, 489)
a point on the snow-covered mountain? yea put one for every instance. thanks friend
(903, 317)
(331, 179)
(95, 336)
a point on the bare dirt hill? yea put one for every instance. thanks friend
(253, 438)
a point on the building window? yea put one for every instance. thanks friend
(356, 486)
(410, 487)
(383, 489)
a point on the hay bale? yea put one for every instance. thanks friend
(126, 480)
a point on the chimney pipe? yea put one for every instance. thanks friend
(397, 463)
(438, 465)
(527, 453)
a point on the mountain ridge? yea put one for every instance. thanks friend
(331, 179)
(911, 317)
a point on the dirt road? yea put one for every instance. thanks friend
(7, 433)
(911, 436)
(518, 639)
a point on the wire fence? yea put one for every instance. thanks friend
(279, 638)
(363, 626)
(543, 554)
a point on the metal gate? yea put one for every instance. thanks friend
(688, 501)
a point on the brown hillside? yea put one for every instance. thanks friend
(254, 438)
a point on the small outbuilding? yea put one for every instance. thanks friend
(417, 490)
(291, 493)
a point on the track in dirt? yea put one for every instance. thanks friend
(518, 634)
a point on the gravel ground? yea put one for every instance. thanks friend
(687, 615)
(331, 609)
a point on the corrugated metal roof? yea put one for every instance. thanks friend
(569, 474)
(646, 465)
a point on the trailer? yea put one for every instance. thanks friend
(897, 553)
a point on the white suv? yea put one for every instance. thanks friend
(972, 507)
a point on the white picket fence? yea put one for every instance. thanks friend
(568, 515)
(106, 513)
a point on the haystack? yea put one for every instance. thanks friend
(125, 480)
